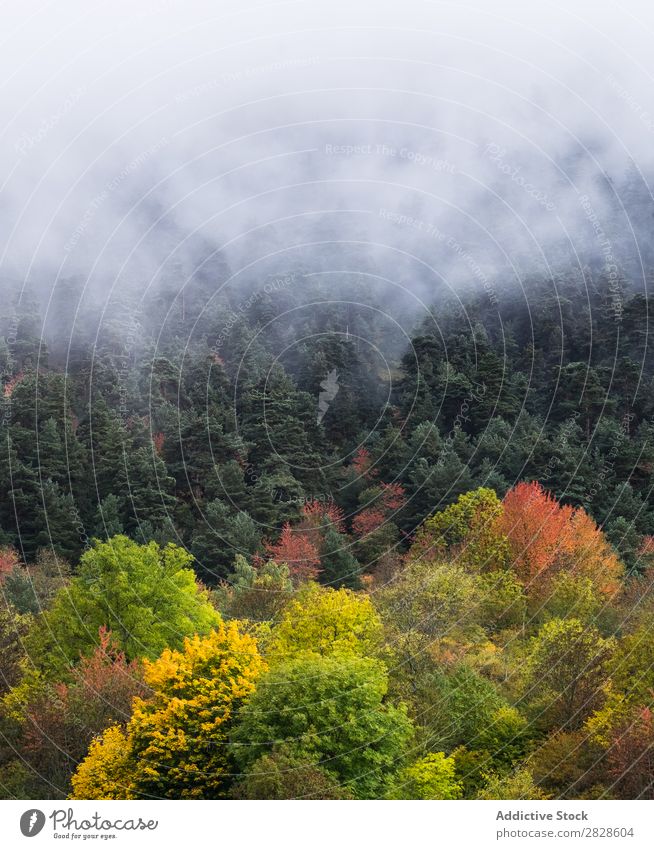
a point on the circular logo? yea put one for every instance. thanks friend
(32, 822)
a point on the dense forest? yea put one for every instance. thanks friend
(299, 541)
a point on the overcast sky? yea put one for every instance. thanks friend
(412, 126)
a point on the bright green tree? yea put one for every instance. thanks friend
(470, 530)
(330, 711)
(432, 777)
(147, 596)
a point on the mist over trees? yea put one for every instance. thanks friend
(327, 412)
(450, 557)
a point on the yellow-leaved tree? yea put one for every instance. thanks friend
(327, 621)
(105, 773)
(175, 745)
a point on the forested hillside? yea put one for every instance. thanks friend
(198, 420)
(298, 543)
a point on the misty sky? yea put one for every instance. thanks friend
(444, 140)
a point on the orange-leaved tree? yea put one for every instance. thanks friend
(295, 548)
(535, 525)
(301, 546)
(8, 562)
(546, 537)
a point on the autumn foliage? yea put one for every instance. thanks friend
(12, 383)
(62, 719)
(362, 464)
(469, 531)
(387, 501)
(158, 440)
(8, 562)
(499, 637)
(301, 546)
(546, 537)
(294, 547)
(368, 521)
(318, 513)
(175, 744)
(631, 756)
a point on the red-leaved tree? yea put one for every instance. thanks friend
(390, 499)
(298, 552)
(8, 562)
(323, 513)
(631, 757)
(362, 465)
(546, 537)
(61, 719)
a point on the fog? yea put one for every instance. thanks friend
(435, 145)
